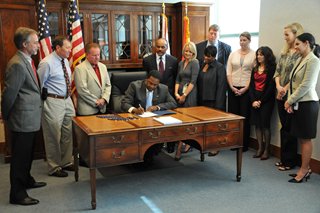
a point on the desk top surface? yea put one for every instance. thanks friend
(96, 125)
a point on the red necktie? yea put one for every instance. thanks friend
(34, 70)
(161, 67)
(66, 77)
(96, 69)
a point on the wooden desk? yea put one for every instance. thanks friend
(103, 143)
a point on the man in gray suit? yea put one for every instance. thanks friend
(21, 111)
(139, 92)
(148, 95)
(92, 83)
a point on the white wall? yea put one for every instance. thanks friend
(274, 16)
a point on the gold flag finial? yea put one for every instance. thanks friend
(186, 8)
(163, 8)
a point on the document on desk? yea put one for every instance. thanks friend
(147, 115)
(166, 120)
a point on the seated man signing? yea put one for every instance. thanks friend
(147, 95)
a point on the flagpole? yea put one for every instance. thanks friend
(78, 8)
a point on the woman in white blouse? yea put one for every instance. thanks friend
(239, 68)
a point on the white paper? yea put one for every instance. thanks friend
(168, 120)
(148, 114)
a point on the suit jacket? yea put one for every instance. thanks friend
(136, 94)
(269, 89)
(21, 99)
(303, 80)
(212, 85)
(171, 67)
(89, 88)
(224, 51)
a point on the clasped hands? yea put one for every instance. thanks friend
(239, 92)
(282, 91)
(181, 98)
(256, 104)
(288, 107)
(100, 102)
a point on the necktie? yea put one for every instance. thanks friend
(161, 67)
(66, 77)
(34, 70)
(96, 69)
(149, 99)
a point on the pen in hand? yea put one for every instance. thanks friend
(140, 110)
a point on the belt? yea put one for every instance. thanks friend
(57, 96)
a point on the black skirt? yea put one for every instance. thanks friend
(304, 120)
(261, 117)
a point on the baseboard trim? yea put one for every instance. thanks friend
(275, 151)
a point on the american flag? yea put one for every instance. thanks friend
(43, 28)
(75, 36)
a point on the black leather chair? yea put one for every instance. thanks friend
(120, 82)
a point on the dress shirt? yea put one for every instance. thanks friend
(51, 75)
(147, 93)
(163, 60)
(216, 44)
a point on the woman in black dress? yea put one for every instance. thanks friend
(262, 98)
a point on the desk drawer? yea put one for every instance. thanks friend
(116, 139)
(223, 140)
(117, 155)
(223, 126)
(177, 133)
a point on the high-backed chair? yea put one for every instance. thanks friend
(120, 82)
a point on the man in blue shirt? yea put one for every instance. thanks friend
(55, 80)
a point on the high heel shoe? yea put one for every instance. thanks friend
(306, 177)
(295, 175)
(176, 158)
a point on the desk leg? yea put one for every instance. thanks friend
(239, 164)
(93, 188)
(76, 166)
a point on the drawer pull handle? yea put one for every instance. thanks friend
(117, 139)
(118, 155)
(223, 142)
(155, 134)
(192, 131)
(223, 126)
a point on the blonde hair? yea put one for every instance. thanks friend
(192, 48)
(297, 30)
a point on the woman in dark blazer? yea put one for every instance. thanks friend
(212, 81)
(262, 98)
(303, 100)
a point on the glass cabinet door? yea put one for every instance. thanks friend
(101, 33)
(122, 36)
(145, 35)
(53, 20)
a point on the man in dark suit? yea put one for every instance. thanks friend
(21, 110)
(170, 64)
(148, 95)
(139, 92)
(223, 49)
(167, 65)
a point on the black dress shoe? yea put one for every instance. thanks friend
(37, 185)
(214, 153)
(25, 202)
(59, 173)
(69, 168)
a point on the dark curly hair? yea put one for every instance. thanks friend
(269, 58)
